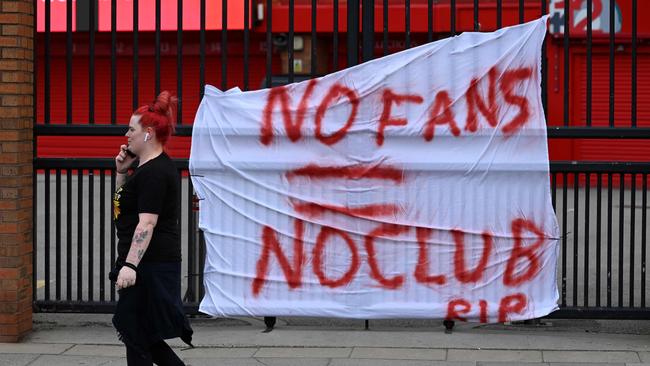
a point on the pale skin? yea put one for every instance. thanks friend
(145, 150)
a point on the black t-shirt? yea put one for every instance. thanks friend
(152, 188)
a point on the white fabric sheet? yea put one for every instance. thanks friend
(413, 185)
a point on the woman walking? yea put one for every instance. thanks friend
(146, 214)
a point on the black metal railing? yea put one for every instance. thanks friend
(601, 266)
(78, 245)
(602, 212)
(601, 207)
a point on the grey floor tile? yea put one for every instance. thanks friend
(294, 361)
(399, 353)
(96, 350)
(10, 359)
(34, 348)
(59, 360)
(198, 361)
(300, 352)
(584, 364)
(493, 355)
(644, 356)
(590, 357)
(370, 362)
(215, 352)
(501, 363)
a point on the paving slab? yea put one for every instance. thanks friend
(590, 357)
(313, 337)
(465, 337)
(494, 355)
(369, 362)
(294, 361)
(16, 359)
(532, 340)
(84, 340)
(584, 364)
(199, 361)
(645, 356)
(293, 352)
(399, 353)
(75, 335)
(216, 352)
(511, 363)
(62, 360)
(34, 348)
(119, 351)
(96, 350)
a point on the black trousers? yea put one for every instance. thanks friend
(160, 354)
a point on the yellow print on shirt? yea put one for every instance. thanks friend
(116, 203)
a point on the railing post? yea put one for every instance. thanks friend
(353, 32)
(368, 29)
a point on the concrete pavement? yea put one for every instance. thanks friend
(82, 339)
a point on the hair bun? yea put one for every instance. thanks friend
(166, 104)
(161, 115)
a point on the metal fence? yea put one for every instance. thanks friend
(601, 206)
(76, 242)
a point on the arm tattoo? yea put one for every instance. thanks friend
(139, 244)
(140, 237)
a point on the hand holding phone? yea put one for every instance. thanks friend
(124, 159)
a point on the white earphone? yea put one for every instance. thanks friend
(146, 137)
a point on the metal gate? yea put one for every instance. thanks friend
(99, 60)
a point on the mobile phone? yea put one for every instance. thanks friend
(129, 152)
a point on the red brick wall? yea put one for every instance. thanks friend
(16, 118)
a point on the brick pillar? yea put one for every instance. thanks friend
(16, 118)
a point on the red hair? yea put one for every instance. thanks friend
(159, 115)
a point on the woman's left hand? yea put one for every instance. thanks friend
(125, 278)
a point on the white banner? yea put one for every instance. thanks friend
(414, 185)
